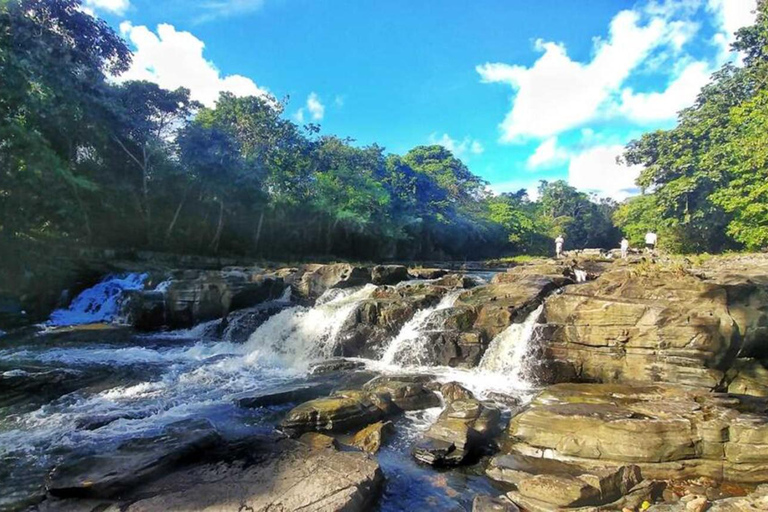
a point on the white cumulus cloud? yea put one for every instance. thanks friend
(730, 16)
(663, 105)
(112, 6)
(173, 59)
(315, 107)
(557, 93)
(547, 154)
(460, 148)
(596, 170)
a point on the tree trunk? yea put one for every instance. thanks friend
(217, 237)
(145, 193)
(258, 232)
(175, 219)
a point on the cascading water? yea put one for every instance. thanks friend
(506, 354)
(408, 347)
(144, 387)
(100, 303)
(297, 336)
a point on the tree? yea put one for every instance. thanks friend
(53, 61)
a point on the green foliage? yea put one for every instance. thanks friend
(87, 160)
(708, 174)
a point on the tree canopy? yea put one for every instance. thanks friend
(706, 178)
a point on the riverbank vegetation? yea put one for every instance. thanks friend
(88, 159)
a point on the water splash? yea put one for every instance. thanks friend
(408, 347)
(297, 336)
(507, 351)
(100, 303)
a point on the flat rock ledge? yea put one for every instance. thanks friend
(669, 432)
(297, 479)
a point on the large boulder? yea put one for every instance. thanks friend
(668, 431)
(499, 305)
(427, 273)
(659, 326)
(315, 280)
(341, 412)
(344, 411)
(664, 322)
(464, 429)
(389, 274)
(408, 394)
(193, 296)
(297, 478)
(133, 462)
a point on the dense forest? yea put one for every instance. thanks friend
(86, 159)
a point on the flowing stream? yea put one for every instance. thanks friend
(134, 388)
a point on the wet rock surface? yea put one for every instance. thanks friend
(346, 410)
(133, 462)
(463, 430)
(191, 297)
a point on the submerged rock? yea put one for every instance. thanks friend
(285, 394)
(133, 462)
(317, 441)
(491, 504)
(373, 436)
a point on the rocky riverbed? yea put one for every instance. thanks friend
(581, 384)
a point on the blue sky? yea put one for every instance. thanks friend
(519, 90)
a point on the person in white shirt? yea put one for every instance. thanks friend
(650, 241)
(624, 247)
(559, 246)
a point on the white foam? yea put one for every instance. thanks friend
(297, 336)
(100, 303)
(407, 348)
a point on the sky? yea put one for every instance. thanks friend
(521, 91)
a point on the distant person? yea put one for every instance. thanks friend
(624, 247)
(650, 241)
(559, 241)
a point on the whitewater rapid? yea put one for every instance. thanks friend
(166, 377)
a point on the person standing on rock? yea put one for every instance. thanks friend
(559, 246)
(624, 247)
(650, 241)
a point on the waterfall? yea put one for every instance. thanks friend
(100, 303)
(581, 275)
(408, 347)
(507, 352)
(296, 336)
